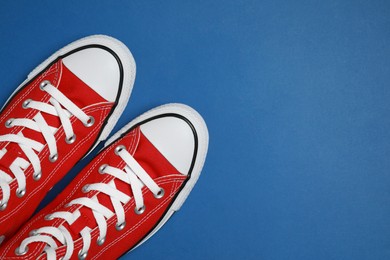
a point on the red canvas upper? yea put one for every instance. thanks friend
(20, 209)
(137, 227)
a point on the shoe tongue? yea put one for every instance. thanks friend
(72, 87)
(150, 159)
(76, 91)
(146, 155)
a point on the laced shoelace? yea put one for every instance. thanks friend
(59, 105)
(132, 174)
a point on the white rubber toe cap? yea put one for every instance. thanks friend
(98, 68)
(174, 139)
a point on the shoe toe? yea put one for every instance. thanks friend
(174, 138)
(98, 68)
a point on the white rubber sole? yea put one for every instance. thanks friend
(203, 139)
(129, 70)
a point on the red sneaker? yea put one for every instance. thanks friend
(126, 194)
(64, 108)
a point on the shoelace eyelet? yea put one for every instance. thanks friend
(26, 103)
(44, 84)
(53, 158)
(100, 241)
(8, 123)
(140, 210)
(90, 122)
(85, 189)
(120, 226)
(33, 232)
(71, 139)
(20, 193)
(49, 217)
(82, 255)
(3, 206)
(102, 168)
(18, 252)
(159, 194)
(119, 148)
(37, 176)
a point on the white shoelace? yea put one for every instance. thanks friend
(133, 174)
(30, 147)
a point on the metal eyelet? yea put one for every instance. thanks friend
(71, 139)
(19, 252)
(8, 123)
(120, 226)
(20, 193)
(140, 210)
(37, 176)
(159, 194)
(26, 103)
(53, 158)
(33, 232)
(119, 148)
(82, 255)
(102, 168)
(49, 217)
(3, 205)
(90, 122)
(44, 84)
(100, 241)
(85, 189)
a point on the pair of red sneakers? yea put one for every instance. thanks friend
(144, 173)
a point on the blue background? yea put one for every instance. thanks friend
(296, 97)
